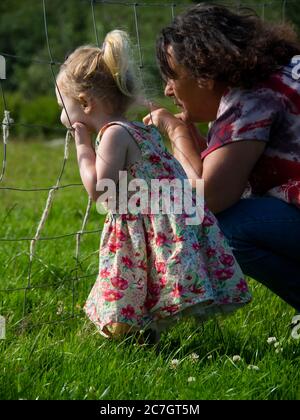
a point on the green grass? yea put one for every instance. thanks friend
(69, 360)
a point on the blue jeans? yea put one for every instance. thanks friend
(264, 234)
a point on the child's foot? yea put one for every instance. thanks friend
(119, 330)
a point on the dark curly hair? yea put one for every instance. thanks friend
(213, 42)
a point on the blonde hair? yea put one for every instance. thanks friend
(106, 72)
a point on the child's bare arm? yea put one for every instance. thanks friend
(86, 157)
(111, 153)
(109, 160)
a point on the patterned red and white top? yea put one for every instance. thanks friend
(270, 112)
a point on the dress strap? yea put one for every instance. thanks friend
(133, 128)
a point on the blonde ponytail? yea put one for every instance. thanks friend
(105, 73)
(94, 62)
(117, 58)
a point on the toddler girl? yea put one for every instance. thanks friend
(154, 268)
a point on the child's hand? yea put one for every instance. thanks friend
(81, 134)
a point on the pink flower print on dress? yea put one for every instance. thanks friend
(160, 267)
(104, 273)
(112, 295)
(208, 221)
(163, 282)
(129, 217)
(127, 262)
(227, 260)
(176, 259)
(150, 303)
(142, 265)
(114, 246)
(128, 312)
(167, 167)
(196, 246)
(160, 239)
(154, 158)
(197, 290)
(105, 285)
(224, 274)
(151, 232)
(210, 252)
(177, 291)
(154, 289)
(140, 284)
(178, 239)
(121, 235)
(110, 228)
(119, 283)
(242, 286)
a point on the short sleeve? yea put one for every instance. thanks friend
(244, 115)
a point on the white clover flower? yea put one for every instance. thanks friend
(253, 367)
(279, 350)
(60, 308)
(174, 363)
(271, 340)
(191, 379)
(209, 357)
(194, 357)
(277, 344)
(236, 358)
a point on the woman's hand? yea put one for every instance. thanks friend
(81, 134)
(166, 122)
(176, 128)
(183, 139)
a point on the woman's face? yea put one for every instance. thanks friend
(198, 103)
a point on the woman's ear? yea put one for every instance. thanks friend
(85, 102)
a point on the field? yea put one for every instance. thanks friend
(52, 351)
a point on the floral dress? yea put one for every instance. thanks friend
(155, 268)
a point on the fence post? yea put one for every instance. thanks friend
(2, 67)
(2, 327)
